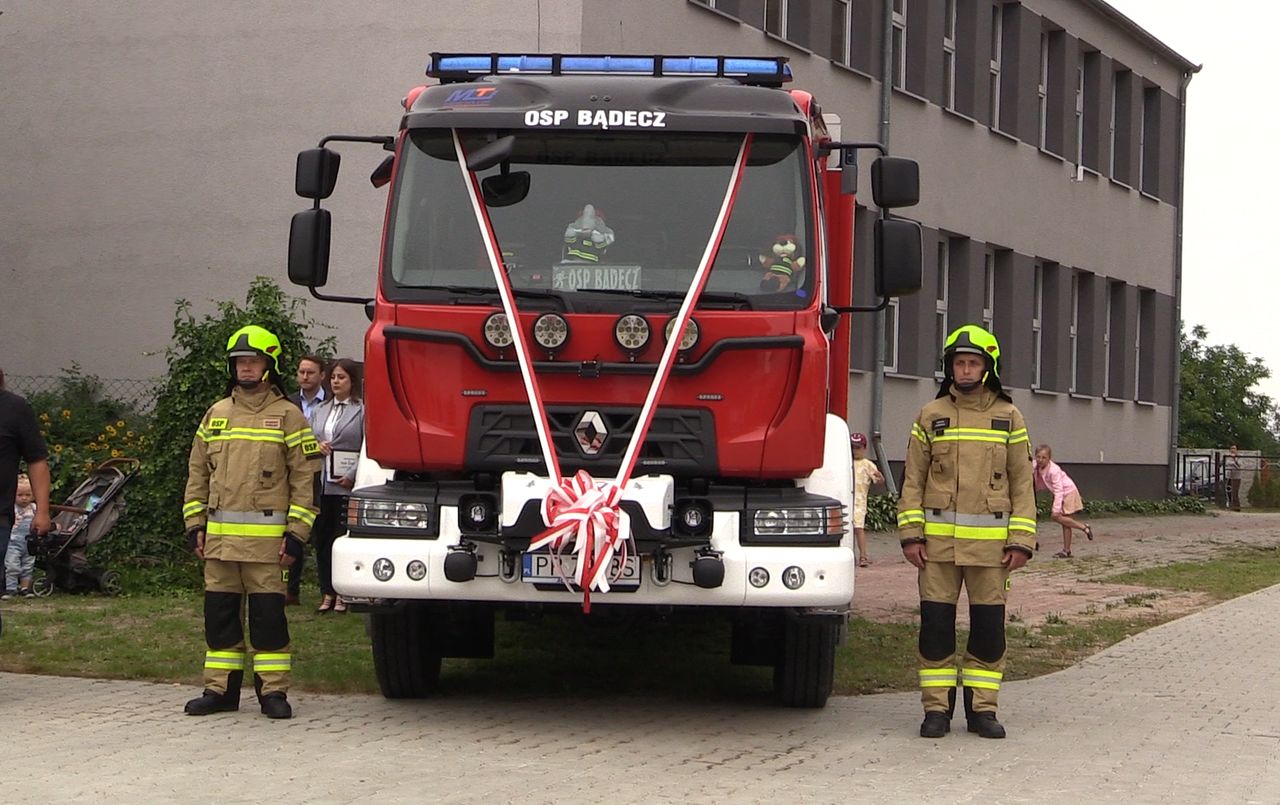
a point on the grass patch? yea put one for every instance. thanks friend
(1228, 575)
(159, 638)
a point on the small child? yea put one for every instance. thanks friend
(19, 565)
(864, 473)
(1066, 498)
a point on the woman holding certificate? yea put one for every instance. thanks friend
(338, 424)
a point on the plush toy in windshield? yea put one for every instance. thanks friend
(587, 239)
(783, 264)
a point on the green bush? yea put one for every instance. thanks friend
(152, 532)
(1178, 505)
(83, 427)
(882, 513)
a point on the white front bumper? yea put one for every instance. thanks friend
(828, 573)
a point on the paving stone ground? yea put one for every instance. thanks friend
(1188, 712)
(887, 589)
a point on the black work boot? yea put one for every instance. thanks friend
(213, 702)
(276, 705)
(985, 725)
(936, 724)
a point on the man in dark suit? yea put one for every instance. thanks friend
(312, 390)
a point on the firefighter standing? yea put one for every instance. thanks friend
(249, 507)
(966, 516)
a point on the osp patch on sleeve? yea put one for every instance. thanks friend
(218, 423)
(311, 448)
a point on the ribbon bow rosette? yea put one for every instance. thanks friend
(581, 513)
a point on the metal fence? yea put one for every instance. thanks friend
(138, 393)
(1203, 472)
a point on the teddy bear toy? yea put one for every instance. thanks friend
(782, 264)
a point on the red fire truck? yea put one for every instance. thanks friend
(551, 219)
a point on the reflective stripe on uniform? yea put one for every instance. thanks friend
(981, 678)
(243, 434)
(919, 433)
(192, 507)
(937, 677)
(1019, 435)
(305, 515)
(910, 517)
(939, 523)
(272, 661)
(972, 435)
(250, 518)
(298, 437)
(224, 660)
(244, 530)
(1022, 524)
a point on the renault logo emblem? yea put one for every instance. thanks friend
(590, 432)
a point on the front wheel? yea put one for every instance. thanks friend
(803, 674)
(404, 658)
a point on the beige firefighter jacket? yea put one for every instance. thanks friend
(967, 488)
(250, 476)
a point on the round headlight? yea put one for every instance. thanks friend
(690, 337)
(550, 330)
(758, 577)
(631, 332)
(793, 578)
(497, 331)
(416, 570)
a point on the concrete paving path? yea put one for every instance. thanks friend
(1185, 713)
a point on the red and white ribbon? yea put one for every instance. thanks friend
(580, 512)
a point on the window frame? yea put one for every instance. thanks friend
(949, 55)
(898, 36)
(1037, 319)
(943, 294)
(893, 328)
(996, 63)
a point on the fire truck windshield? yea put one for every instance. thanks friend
(605, 211)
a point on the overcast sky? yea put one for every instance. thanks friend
(1230, 237)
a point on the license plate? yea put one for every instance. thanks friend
(575, 277)
(540, 568)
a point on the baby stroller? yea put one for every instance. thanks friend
(88, 515)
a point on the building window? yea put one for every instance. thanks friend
(1106, 343)
(775, 17)
(1137, 349)
(1149, 144)
(1080, 115)
(891, 336)
(989, 291)
(949, 55)
(899, 43)
(1073, 330)
(997, 50)
(1115, 103)
(841, 31)
(944, 283)
(1042, 90)
(1037, 316)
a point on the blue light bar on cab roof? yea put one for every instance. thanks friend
(756, 70)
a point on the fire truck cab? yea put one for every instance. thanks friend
(602, 180)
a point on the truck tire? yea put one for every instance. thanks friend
(803, 675)
(407, 665)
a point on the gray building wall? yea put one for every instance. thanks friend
(149, 148)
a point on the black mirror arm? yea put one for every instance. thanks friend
(351, 300)
(884, 303)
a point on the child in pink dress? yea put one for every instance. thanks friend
(1066, 498)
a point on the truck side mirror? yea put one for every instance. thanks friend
(895, 182)
(316, 174)
(309, 247)
(897, 257)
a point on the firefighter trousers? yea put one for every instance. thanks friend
(982, 668)
(230, 588)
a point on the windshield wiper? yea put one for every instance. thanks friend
(487, 290)
(713, 297)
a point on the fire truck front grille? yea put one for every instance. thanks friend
(681, 441)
